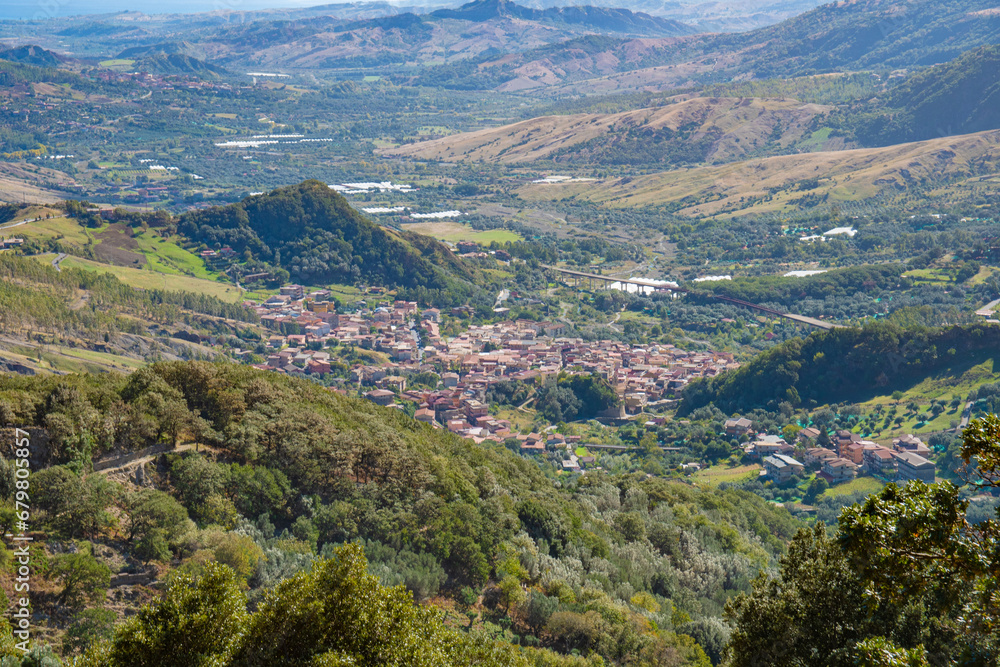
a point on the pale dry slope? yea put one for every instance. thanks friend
(21, 181)
(745, 124)
(772, 183)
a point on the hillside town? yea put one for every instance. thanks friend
(645, 377)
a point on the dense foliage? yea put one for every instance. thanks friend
(614, 566)
(842, 364)
(571, 397)
(957, 97)
(335, 614)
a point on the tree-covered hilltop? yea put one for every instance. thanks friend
(844, 364)
(314, 233)
(628, 568)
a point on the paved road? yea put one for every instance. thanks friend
(988, 309)
(966, 415)
(58, 260)
(11, 225)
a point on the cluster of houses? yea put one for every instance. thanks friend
(847, 456)
(512, 350)
(643, 375)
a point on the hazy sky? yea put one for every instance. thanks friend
(28, 9)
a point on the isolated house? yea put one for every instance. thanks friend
(381, 397)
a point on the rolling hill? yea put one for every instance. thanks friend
(685, 130)
(774, 183)
(32, 55)
(845, 365)
(179, 63)
(603, 19)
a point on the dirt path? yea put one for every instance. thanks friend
(145, 459)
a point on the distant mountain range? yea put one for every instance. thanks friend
(473, 30)
(857, 35)
(615, 20)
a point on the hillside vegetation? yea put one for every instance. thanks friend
(842, 365)
(779, 183)
(626, 567)
(957, 97)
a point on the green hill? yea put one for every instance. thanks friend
(32, 55)
(843, 365)
(179, 63)
(311, 231)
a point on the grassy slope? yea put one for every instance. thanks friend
(148, 279)
(844, 175)
(61, 359)
(956, 381)
(168, 256)
(454, 232)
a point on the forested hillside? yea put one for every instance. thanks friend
(844, 364)
(957, 97)
(626, 567)
(92, 320)
(313, 232)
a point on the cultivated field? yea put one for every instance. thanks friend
(718, 474)
(456, 231)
